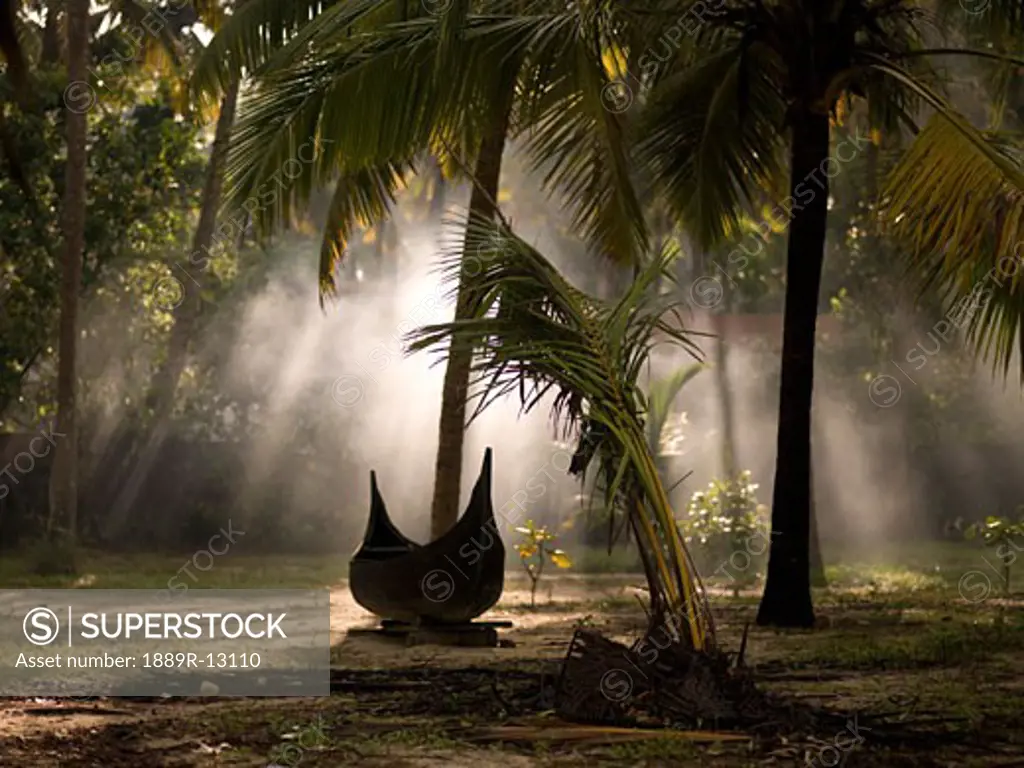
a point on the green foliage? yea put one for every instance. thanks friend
(729, 508)
(597, 559)
(724, 519)
(428, 85)
(996, 530)
(1002, 533)
(661, 395)
(144, 180)
(953, 645)
(535, 551)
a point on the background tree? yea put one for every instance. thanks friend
(64, 477)
(187, 300)
(747, 105)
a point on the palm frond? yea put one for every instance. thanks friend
(536, 335)
(579, 145)
(406, 104)
(167, 45)
(300, 125)
(361, 197)
(962, 215)
(661, 394)
(710, 160)
(270, 34)
(246, 40)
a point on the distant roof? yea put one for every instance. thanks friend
(764, 328)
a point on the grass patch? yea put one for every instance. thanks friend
(949, 644)
(597, 560)
(101, 570)
(883, 579)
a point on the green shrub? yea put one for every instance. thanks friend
(1003, 534)
(726, 520)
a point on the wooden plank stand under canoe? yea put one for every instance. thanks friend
(474, 634)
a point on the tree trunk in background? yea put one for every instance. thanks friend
(64, 476)
(187, 313)
(787, 593)
(722, 384)
(387, 252)
(662, 239)
(186, 316)
(440, 193)
(51, 43)
(393, 252)
(444, 510)
(817, 565)
(379, 251)
(729, 460)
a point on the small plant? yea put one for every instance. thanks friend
(726, 520)
(53, 556)
(535, 551)
(1001, 533)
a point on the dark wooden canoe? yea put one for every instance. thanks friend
(451, 580)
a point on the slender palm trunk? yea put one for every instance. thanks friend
(186, 317)
(438, 198)
(444, 510)
(729, 461)
(187, 314)
(51, 47)
(724, 396)
(379, 251)
(64, 478)
(787, 594)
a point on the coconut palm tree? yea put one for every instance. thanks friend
(745, 104)
(536, 335)
(387, 82)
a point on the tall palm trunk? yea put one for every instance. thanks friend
(444, 510)
(729, 460)
(188, 312)
(186, 317)
(64, 478)
(787, 593)
(51, 45)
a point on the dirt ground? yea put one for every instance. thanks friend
(952, 672)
